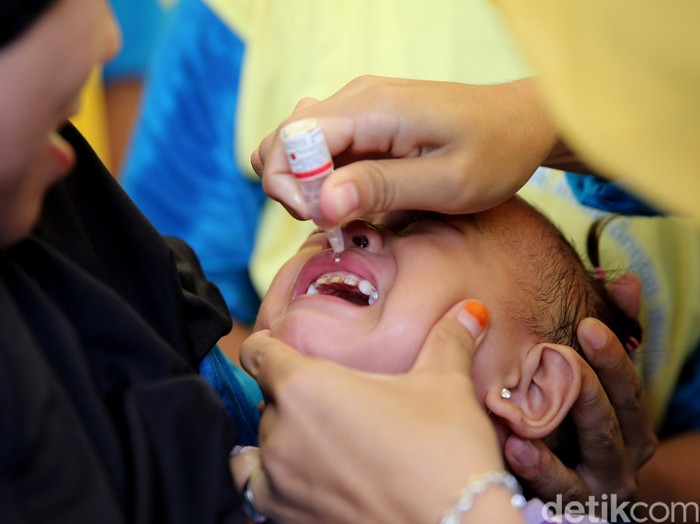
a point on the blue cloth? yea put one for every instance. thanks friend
(238, 391)
(596, 192)
(181, 169)
(141, 23)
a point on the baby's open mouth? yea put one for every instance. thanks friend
(347, 286)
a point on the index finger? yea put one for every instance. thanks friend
(600, 440)
(622, 384)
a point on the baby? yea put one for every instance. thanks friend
(401, 272)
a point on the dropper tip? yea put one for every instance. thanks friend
(335, 239)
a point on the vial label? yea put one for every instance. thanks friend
(307, 151)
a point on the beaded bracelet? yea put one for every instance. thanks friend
(477, 485)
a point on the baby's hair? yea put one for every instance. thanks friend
(563, 291)
(560, 292)
(627, 329)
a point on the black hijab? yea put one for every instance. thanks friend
(18, 15)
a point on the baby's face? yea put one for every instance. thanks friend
(373, 309)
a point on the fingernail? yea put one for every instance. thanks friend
(474, 316)
(593, 334)
(240, 449)
(345, 200)
(527, 454)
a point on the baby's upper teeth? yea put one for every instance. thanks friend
(349, 279)
(366, 288)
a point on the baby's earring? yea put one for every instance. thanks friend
(505, 393)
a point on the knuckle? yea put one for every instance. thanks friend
(294, 389)
(450, 333)
(363, 81)
(275, 461)
(379, 193)
(573, 492)
(649, 450)
(456, 175)
(636, 397)
(628, 488)
(379, 91)
(607, 436)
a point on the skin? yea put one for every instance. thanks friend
(414, 294)
(303, 433)
(70, 38)
(413, 289)
(460, 255)
(388, 138)
(62, 47)
(318, 485)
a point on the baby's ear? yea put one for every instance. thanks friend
(626, 291)
(550, 382)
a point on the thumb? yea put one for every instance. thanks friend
(378, 185)
(454, 338)
(269, 361)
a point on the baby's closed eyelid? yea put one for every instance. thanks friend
(425, 216)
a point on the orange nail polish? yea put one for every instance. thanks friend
(477, 310)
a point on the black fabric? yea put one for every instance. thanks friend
(18, 15)
(103, 417)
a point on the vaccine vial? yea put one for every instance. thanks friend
(310, 161)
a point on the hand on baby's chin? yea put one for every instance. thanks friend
(341, 348)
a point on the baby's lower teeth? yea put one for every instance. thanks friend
(364, 286)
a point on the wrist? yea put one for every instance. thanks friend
(563, 158)
(494, 507)
(493, 496)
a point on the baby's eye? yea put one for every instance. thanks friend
(396, 221)
(426, 215)
(422, 216)
(412, 219)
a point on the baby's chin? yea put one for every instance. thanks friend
(294, 338)
(340, 346)
(312, 342)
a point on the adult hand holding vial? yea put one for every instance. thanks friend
(310, 161)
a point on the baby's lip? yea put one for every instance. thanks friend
(351, 261)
